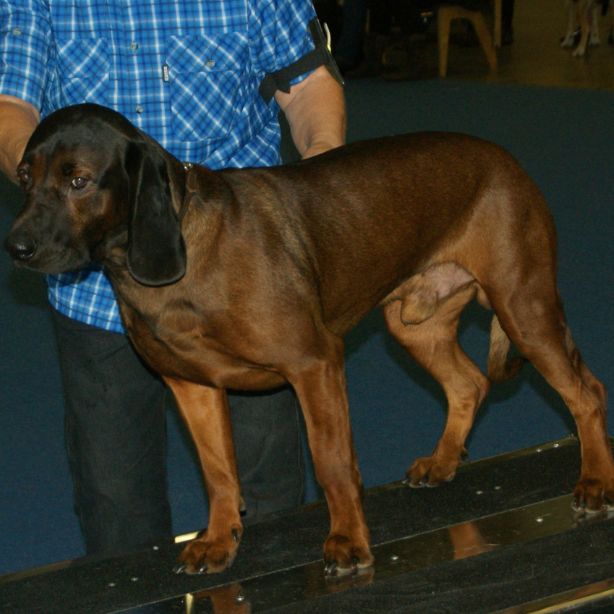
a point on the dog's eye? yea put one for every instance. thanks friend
(78, 183)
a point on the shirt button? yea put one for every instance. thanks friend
(17, 31)
(139, 109)
(210, 63)
(134, 46)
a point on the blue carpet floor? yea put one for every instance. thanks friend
(563, 138)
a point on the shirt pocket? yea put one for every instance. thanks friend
(207, 79)
(84, 66)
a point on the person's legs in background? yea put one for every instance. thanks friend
(349, 48)
(507, 18)
(115, 438)
(267, 436)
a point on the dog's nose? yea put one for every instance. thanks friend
(20, 246)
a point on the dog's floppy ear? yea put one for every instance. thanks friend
(156, 251)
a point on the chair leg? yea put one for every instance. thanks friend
(443, 41)
(481, 29)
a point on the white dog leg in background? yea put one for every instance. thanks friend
(572, 10)
(594, 39)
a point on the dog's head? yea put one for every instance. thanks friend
(91, 179)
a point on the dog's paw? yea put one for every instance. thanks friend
(431, 471)
(579, 52)
(206, 555)
(593, 496)
(344, 556)
(568, 42)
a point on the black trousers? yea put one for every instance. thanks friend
(116, 442)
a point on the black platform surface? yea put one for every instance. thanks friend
(500, 537)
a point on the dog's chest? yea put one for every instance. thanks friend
(185, 347)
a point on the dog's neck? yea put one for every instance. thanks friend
(112, 252)
(184, 194)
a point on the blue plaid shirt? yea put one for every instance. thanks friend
(186, 72)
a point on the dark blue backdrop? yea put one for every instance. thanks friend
(562, 137)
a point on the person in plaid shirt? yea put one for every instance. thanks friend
(206, 79)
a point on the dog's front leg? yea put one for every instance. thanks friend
(205, 411)
(321, 390)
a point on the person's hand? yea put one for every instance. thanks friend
(18, 119)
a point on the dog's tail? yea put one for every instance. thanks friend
(500, 367)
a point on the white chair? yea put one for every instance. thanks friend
(448, 12)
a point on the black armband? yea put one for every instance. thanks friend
(320, 56)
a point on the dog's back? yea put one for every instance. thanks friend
(417, 201)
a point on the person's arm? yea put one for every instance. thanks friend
(315, 110)
(18, 119)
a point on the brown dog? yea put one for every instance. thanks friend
(250, 278)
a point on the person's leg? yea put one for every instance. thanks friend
(507, 19)
(349, 47)
(266, 432)
(380, 15)
(115, 438)
(507, 13)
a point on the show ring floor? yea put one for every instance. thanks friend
(500, 537)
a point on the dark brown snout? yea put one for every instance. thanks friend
(21, 246)
(43, 238)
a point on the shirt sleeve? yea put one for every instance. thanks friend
(25, 33)
(280, 34)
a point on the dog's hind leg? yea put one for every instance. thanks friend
(425, 324)
(532, 316)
